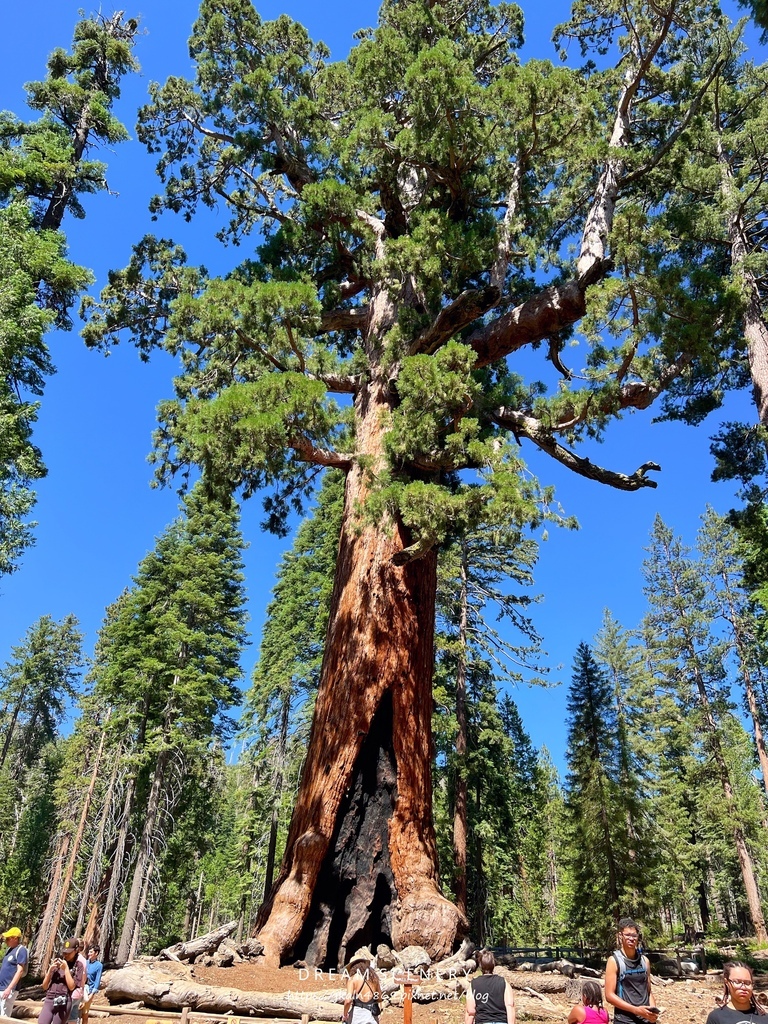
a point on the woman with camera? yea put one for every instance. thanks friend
(65, 974)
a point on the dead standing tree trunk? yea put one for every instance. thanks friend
(58, 896)
(95, 863)
(360, 863)
(142, 870)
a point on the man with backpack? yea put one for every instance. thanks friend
(628, 979)
(12, 970)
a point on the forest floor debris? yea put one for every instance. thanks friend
(686, 1001)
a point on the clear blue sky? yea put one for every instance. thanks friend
(98, 515)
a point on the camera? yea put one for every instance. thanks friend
(59, 1001)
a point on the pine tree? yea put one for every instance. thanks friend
(38, 686)
(45, 171)
(474, 578)
(593, 799)
(680, 624)
(622, 661)
(722, 559)
(169, 662)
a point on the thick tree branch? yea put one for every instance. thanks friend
(661, 151)
(295, 168)
(416, 550)
(339, 383)
(309, 452)
(527, 426)
(354, 319)
(377, 227)
(250, 343)
(597, 227)
(550, 311)
(467, 307)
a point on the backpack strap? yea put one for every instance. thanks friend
(621, 971)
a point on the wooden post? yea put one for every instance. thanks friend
(184, 1015)
(406, 979)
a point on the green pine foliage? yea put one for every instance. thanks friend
(167, 668)
(433, 169)
(38, 687)
(44, 173)
(594, 798)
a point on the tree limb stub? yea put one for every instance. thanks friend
(309, 452)
(527, 426)
(339, 383)
(354, 319)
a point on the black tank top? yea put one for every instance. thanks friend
(631, 986)
(488, 991)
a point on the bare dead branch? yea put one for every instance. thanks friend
(527, 426)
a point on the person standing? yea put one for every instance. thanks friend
(13, 968)
(93, 973)
(65, 973)
(79, 992)
(490, 999)
(628, 978)
(740, 994)
(362, 1003)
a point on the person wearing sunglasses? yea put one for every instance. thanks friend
(739, 1005)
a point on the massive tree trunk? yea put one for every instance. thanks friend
(360, 864)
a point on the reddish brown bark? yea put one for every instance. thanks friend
(361, 860)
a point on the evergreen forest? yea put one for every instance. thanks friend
(448, 272)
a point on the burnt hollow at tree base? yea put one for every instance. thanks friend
(351, 905)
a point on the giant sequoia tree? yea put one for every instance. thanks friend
(414, 219)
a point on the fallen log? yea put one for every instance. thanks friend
(456, 969)
(166, 991)
(207, 943)
(545, 999)
(544, 982)
(32, 1009)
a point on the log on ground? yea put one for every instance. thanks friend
(207, 943)
(540, 982)
(165, 991)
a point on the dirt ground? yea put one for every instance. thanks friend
(682, 1002)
